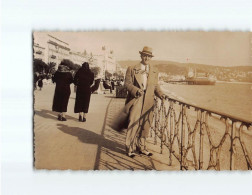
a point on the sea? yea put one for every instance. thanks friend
(233, 99)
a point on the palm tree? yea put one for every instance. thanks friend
(39, 66)
(51, 67)
(96, 70)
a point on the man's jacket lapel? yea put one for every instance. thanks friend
(138, 75)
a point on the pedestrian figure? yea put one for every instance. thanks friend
(63, 78)
(113, 84)
(121, 82)
(83, 79)
(40, 83)
(35, 80)
(141, 82)
(107, 85)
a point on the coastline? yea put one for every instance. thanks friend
(217, 81)
(233, 82)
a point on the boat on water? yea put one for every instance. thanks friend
(194, 78)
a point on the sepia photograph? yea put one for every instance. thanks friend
(126, 97)
(142, 100)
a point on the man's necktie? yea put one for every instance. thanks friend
(146, 70)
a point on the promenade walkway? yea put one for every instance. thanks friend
(92, 145)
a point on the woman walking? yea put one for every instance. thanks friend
(40, 82)
(63, 78)
(83, 79)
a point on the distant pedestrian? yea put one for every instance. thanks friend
(83, 79)
(122, 82)
(63, 78)
(40, 83)
(107, 85)
(35, 80)
(113, 84)
(118, 82)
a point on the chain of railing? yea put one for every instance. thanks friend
(200, 138)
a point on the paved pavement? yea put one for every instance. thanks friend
(92, 145)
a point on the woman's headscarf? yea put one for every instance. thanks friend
(62, 68)
(85, 66)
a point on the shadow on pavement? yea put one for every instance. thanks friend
(89, 137)
(50, 114)
(111, 148)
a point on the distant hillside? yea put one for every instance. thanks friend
(168, 67)
(125, 64)
(177, 68)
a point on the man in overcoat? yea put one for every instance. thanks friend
(141, 81)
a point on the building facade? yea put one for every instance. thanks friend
(77, 57)
(38, 52)
(57, 50)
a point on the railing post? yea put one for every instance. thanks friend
(174, 130)
(231, 146)
(161, 124)
(182, 137)
(171, 129)
(201, 142)
(155, 121)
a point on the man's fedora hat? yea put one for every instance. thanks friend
(147, 50)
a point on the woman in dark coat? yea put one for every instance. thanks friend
(35, 79)
(83, 79)
(40, 82)
(63, 78)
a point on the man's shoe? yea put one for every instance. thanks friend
(63, 119)
(145, 152)
(80, 118)
(59, 117)
(131, 154)
(84, 119)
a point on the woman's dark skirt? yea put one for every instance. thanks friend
(82, 100)
(60, 100)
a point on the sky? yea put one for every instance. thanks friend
(214, 48)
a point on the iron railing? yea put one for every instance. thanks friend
(200, 138)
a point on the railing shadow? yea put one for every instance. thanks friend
(110, 159)
(115, 152)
